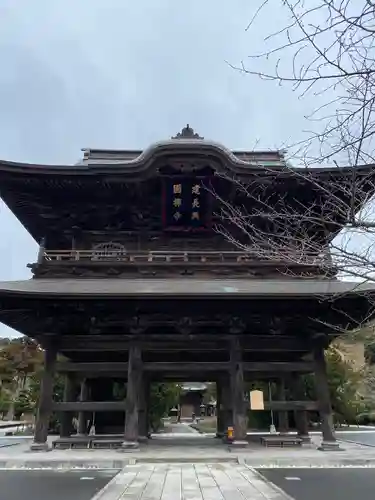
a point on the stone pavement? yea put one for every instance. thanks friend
(188, 447)
(189, 482)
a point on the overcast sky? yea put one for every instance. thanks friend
(126, 73)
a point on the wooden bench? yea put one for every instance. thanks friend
(72, 442)
(107, 443)
(281, 441)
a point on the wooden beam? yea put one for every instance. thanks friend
(291, 405)
(123, 346)
(184, 367)
(78, 406)
(67, 366)
(177, 342)
(279, 366)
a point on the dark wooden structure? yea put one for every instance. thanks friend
(191, 399)
(132, 285)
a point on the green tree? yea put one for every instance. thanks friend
(162, 398)
(19, 359)
(344, 382)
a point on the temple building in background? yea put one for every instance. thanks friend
(134, 285)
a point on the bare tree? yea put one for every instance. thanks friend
(326, 53)
(328, 226)
(326, 49)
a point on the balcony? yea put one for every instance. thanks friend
(116, 261)
(175, 257)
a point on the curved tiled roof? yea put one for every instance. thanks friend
(187, 142)
(133, 162)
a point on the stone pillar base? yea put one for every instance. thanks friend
(330, 446)
(239, 443)
(40, 447)
(129, 446)
(143, 439)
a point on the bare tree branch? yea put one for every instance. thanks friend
(330, 44)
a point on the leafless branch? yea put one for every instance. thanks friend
(326, 48)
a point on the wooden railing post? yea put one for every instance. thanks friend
(41, 251)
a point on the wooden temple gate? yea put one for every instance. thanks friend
(229, 376)
(134, 283)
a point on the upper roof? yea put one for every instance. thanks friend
(187, 142)
(129, 161)
(46, 198)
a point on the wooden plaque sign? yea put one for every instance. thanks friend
(256, 400)
(186, 203)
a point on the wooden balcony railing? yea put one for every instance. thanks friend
(175, 256)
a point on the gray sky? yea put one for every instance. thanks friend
(126, 73)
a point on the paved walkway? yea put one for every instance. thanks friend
(180, 429)
(189, 482)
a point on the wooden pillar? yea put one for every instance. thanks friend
(148, 396)
(220, 417)
(283, 414)
(226, 394)
(45, 401)
(329, 442)
(238, 390)
(66, 417)
(143, 410)
(82, 416)
(132, 397)
(300, 416)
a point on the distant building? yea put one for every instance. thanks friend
(191, 399)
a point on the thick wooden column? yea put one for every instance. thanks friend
(143, 410)
(132, 397)
(329, 442)
(238, 390)
(220, 418)
(66, 417)
(45, 401)
(82, 415)
(300, 416)
(283, 414)
(148, 397)
(226, 403)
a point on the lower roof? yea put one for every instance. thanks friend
(182, 287)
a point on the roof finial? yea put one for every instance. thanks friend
(187, 133)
